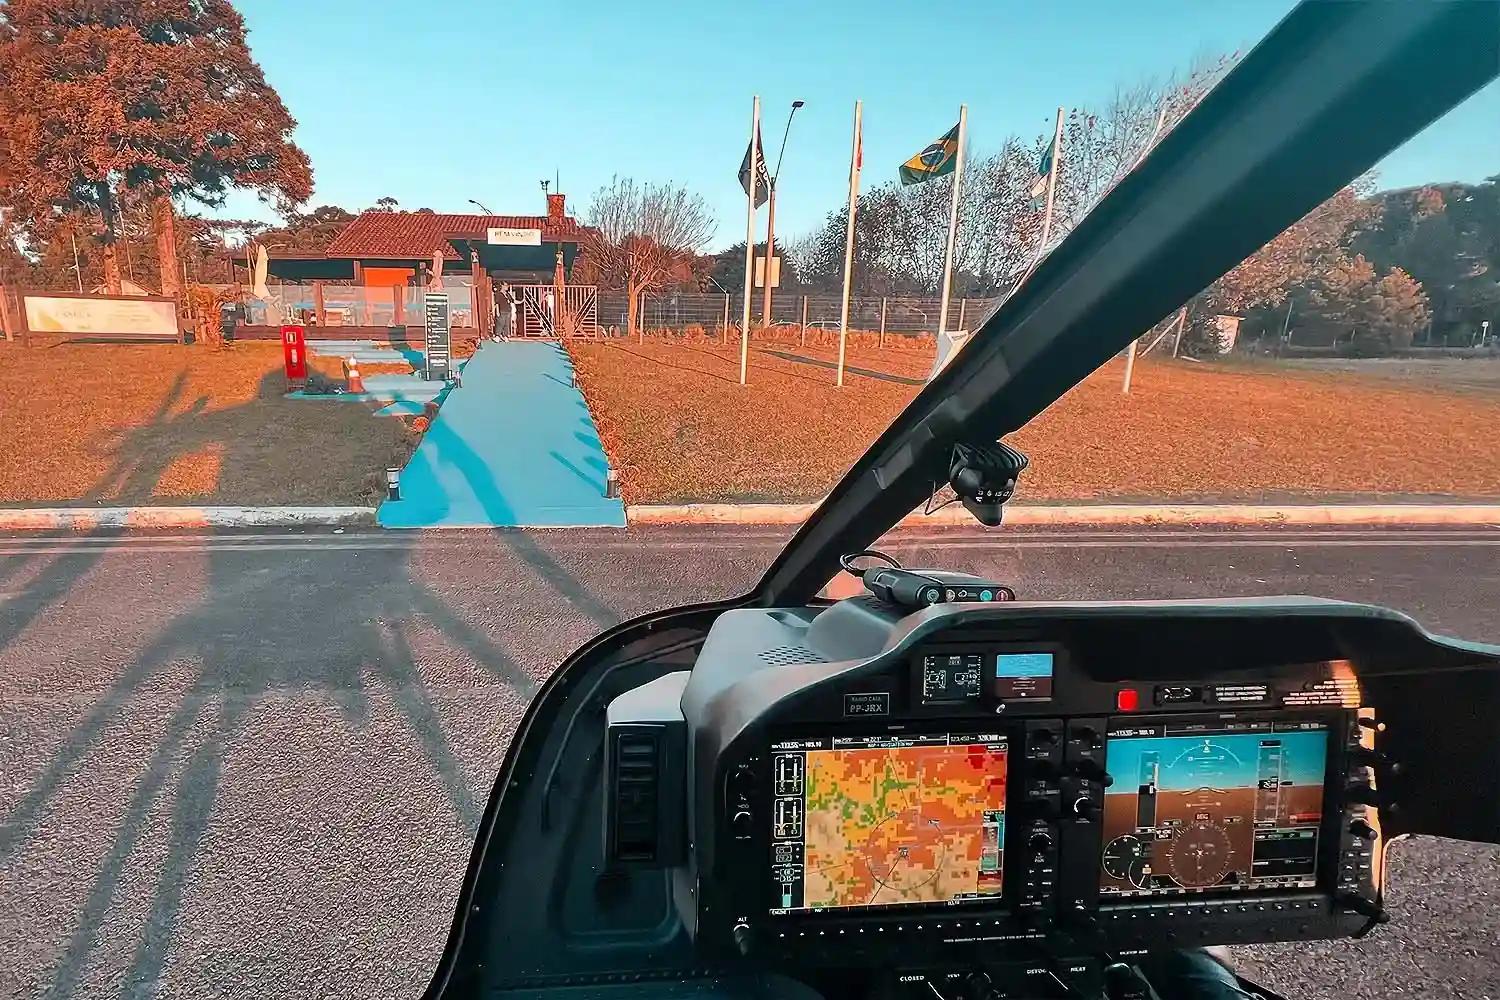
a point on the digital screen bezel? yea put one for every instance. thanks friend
(994, 904)
(1330, 828)
(987, 650)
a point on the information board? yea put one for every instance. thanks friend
(439, 345)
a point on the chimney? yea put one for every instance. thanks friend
(555, 212)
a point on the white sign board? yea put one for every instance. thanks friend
(48, 314)
(760, 272)
(514, 236)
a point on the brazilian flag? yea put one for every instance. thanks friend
(936, 160)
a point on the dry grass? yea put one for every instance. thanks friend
(117, 423)
(677, 423)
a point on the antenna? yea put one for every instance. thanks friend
(557, 176)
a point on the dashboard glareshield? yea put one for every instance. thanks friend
(1213, 806)
(868, 822)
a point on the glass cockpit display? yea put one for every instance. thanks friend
(875, 821)
(1198, 807)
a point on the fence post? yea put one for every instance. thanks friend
(5, 321)
(881, 341)
(640, 320)
(963, 306)
(398, 305)
(319, 310)
(724, 330)
(804, 321)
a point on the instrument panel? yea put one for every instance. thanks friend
(992, 793)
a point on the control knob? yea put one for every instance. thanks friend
(742, 824)
(979, 986)
(1084, 807)
(1040, 841)
(742, 937)
(1363, 830)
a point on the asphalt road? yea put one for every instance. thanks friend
(251, 765)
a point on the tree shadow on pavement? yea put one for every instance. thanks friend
(244, 637)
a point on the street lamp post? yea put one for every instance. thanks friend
(480, 207)
(765, 302)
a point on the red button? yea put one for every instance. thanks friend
(1127, 700)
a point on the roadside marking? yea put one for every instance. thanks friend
(661, 536)
(1014, 542)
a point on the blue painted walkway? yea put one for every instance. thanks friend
(514, 446)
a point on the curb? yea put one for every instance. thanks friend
(1102, 514)
(90, 518)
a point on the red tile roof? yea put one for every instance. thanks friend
(413, 235)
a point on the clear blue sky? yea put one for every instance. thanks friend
(438, 102)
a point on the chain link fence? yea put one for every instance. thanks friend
(891, 315)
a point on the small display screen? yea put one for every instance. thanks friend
(1020, 676)
(1200, 807)
(876, 821)
(951, 677)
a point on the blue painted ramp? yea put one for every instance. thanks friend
(514, 446)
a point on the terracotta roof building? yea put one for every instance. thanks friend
(383, 249)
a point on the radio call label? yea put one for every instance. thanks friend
(867, 703)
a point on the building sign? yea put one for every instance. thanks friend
(513, 236)
(84, 315)
(439, 341)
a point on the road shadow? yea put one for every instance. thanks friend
(679, 367)
(853, 369)
(242, 637)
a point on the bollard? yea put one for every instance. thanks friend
(393, 484)
(612, 485)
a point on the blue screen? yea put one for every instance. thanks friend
(1023, 665)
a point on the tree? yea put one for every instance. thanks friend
(642, 236)
(1447, 237)
(312, 231)
(725, 271)
(1381, 314)
(137, 102)
(1102, 144)
(386, 204)
(1296, 257)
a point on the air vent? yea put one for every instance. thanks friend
(787, 656)
(636, 786)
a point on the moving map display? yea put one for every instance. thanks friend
(1199, 807)
(884, 821)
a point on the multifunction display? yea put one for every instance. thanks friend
(1198, 807)
(1023, 675)
(875, 821)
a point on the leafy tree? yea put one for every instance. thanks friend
(1298, 256)
(644, 236)
(386, 204)
(1381, 313)
(1448, 238)
(104, 102)
(725, 270)
(310, 232)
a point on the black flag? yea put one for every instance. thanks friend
(762, 175)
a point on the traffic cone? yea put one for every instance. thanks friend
(351, 372)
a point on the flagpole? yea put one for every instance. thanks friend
(854, 164)
(1041, 247)
(750, 236)
(958, 179)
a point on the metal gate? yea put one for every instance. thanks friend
(538, 315)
